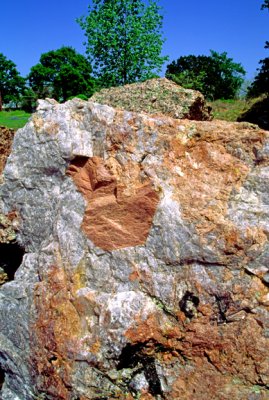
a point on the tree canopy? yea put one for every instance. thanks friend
(260, 85)
(11, 83)
(216, 76)
(61, 74)
(124, 40)
(265, 4)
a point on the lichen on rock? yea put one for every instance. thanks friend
(146, 266)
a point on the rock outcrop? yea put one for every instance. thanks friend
(145, 273)
(157, 96)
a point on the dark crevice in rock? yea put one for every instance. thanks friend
(264, 279)
(152, 376)
(2, 377)
(79, 161)
(143, 158)
(208, 358)
(99, 398)
(202, 262)
(130, 356)
(265, 282)
(134, 354)
(160, 304)
(188, 304)
(224, 303)
(11, 255)
(53, 359)
(227, 310)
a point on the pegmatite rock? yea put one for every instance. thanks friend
(145, 273)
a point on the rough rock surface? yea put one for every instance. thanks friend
(145, 274)
(157, 96)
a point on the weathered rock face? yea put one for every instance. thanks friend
(157, 96)
(146, 265)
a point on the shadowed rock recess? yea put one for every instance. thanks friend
(145, 274)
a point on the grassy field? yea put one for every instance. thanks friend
(13, 119)
(229, 110)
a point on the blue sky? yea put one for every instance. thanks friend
(31, 27)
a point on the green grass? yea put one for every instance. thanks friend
(229, 110)
(14, 119)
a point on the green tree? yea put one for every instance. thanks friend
(124, 40)
(28, 100)
(61, 74)
(11, 83)
(265, 4)
(216, 76)
(260, 85)
(191, 72)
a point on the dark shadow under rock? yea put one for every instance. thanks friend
(258, 114)
(132, 355)
(2, 377)
(11, 255)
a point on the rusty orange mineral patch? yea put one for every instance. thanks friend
(113, 218)
(54, 334)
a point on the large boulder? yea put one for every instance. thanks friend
(145, 273)
(157, 96)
